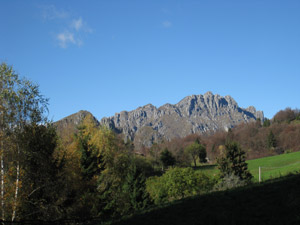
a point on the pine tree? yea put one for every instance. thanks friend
(233, 161)
(271, 140)
(135, 189)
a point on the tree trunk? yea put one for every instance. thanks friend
(2, 185)
(16, 192)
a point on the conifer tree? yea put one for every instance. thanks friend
(135, 188)
(233, 162)
(271, 140)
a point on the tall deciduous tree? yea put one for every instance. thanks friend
(20, 103)
(195, 151)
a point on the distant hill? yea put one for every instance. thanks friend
(69, 124)
(194, 114)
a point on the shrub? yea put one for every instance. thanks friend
(177, 183)
(230, 181)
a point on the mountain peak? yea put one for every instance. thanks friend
(73, 121)
(193, 114)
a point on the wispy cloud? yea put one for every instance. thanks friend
(73, 28)
(167, 24)
(80, 25)
(77, 24)
(50, 12)
(66, 38)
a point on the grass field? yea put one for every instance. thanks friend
(271, 167)
(275, 166)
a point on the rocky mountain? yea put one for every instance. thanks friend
(70, 123)
(193, 114)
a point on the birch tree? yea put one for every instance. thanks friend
(20, 103)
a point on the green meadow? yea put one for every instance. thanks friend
(275, 166)
(271, 167)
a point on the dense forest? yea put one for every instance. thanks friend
(92, 173)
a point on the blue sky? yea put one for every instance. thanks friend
(113, 55)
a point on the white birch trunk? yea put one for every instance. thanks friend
(2, 186)
(16, 193)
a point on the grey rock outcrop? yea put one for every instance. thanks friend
(193, 114)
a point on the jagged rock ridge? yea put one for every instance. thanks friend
(193, 114)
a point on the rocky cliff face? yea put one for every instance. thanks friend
(193, 114)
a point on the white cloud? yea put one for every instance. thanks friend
(166, 24)
(65, 38)
(74, 28)
(77, 24)
(80, 26)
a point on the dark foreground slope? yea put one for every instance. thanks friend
(276, 202)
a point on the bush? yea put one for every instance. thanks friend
(177, 183)
(228, 182)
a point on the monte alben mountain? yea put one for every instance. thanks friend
(194, 114)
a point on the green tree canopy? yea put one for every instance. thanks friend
(167, 158)
(177, 183)
(195, 151)
(41, 180)
(21, 106)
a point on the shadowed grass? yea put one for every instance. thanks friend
(273, 202)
